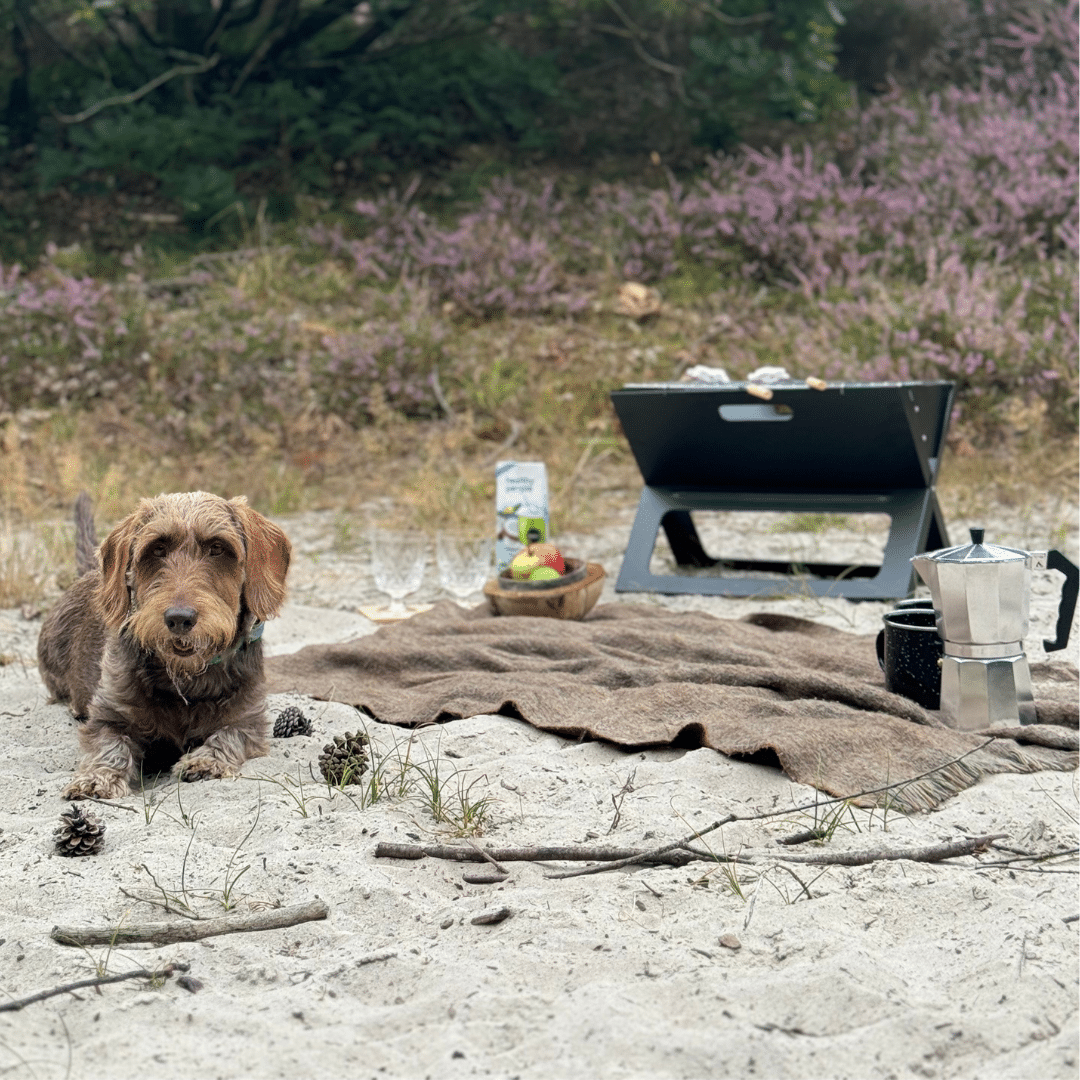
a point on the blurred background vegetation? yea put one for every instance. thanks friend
(191, 107)
(291, 95)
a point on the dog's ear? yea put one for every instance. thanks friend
(268, 555)
(115, 553)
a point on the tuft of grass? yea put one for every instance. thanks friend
(295, 792)
(169, 902)
(231, 877)
(450, 800)
(221, 890)
(102, 960)
(151, 803)
(448, 795)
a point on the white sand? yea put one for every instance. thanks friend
(889, 970)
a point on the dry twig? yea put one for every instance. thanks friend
(98, 980)
(934, 853)
(540, 853)
(617, 801)
(135, 95)
(167, 933)
(489, 857)
(803, 837)
(648, 856)
(114, 805)
(483, 877)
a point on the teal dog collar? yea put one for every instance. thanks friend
(253, 635)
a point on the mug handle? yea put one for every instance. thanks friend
(1056, 561)
(880, 646)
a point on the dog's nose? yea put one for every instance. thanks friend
(181, 620)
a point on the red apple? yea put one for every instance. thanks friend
(549, 555)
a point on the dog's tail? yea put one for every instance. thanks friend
(85, 537)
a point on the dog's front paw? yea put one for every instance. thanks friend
(101, 785)
(202, 767)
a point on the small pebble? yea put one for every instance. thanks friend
(730, 941)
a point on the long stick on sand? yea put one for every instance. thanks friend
(537, 853)
(168, 933)
(935, 853)
(82, 984)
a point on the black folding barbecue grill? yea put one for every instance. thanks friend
(850, 448)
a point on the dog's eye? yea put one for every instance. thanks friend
(214, 548)
(159, 550)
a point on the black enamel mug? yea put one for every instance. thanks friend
(909, 651)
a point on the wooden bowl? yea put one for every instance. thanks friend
(572, 601)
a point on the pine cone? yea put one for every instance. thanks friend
(80, 834)
(291, 721)
(345, 759)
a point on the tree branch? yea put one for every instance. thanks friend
(168, 933)
(135, 95)
(540, 853)
(647, 856)
(257, 57)
(935, 853)
(635, 33)
(100, 980)
(217, 27)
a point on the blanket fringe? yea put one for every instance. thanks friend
(1000, 757)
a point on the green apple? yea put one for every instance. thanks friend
(545, 573)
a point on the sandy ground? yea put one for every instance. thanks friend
(895, 969)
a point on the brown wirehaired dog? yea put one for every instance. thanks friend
(161, 644)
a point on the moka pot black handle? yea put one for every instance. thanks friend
(1067, 605)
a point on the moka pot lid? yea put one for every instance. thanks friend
(977, 552)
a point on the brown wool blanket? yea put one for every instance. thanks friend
(771, 687)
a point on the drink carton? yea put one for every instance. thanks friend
(521, 508)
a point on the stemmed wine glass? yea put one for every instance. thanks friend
(397, 563)
(464, 563)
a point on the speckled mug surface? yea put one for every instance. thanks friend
(909, 652)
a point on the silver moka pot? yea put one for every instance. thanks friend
(981, 595)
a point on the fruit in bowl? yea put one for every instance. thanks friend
(538, 562)
(529, 575)
(565, 596)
